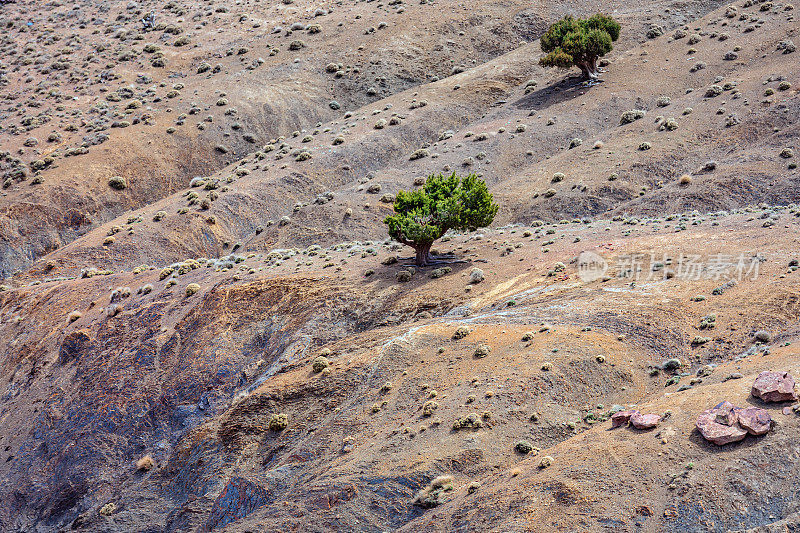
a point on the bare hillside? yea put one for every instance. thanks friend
(207, 327)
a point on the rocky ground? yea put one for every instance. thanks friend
(206, 327)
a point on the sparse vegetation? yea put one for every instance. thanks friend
(239, 188)
(145, 463)
(524, 447)
(279, 422)
(117, 182)
(433, 495)
(320, 364)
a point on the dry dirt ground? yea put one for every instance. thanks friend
(176, 317)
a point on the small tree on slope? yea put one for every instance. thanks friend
(579, 42)
(445, 202)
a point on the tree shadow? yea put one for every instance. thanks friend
(385, 275)
(566, 89)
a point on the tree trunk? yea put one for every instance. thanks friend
(589, 69)
(593, 68)
(422, 256)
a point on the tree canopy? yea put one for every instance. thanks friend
(445, 202)
(579, 42)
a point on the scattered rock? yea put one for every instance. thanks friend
(726, 423)
(635, 418)
(642, 421)
(756, 421)
(774, 387)
(621, 418)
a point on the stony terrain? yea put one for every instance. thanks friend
(206, 327)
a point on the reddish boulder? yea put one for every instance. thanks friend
(726, 413)
(756, 421)
(774, 387)
(640, 421)
(719, 424)
(621, 418)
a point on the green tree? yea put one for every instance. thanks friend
(579, 42)
(443, 203)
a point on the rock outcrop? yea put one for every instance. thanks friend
(726, 423)
(774, 387)
(635, 418)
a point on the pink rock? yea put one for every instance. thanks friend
(726, 413)
(756, 421)
(774, 387)
(621, 418)
(640, 421)
(718, 424)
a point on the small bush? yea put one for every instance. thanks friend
(279, 422)
(762, 336)
(320, 364)
(419, 154)
(145, 464)
(439, 272)
(631, 116)
(482, 351)
(476, 276)
(461, 332)
(433, 494)
(108, 509)
(470, 421)
(524, 447)
(117, 182)
(192, 289)
(429, 407)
